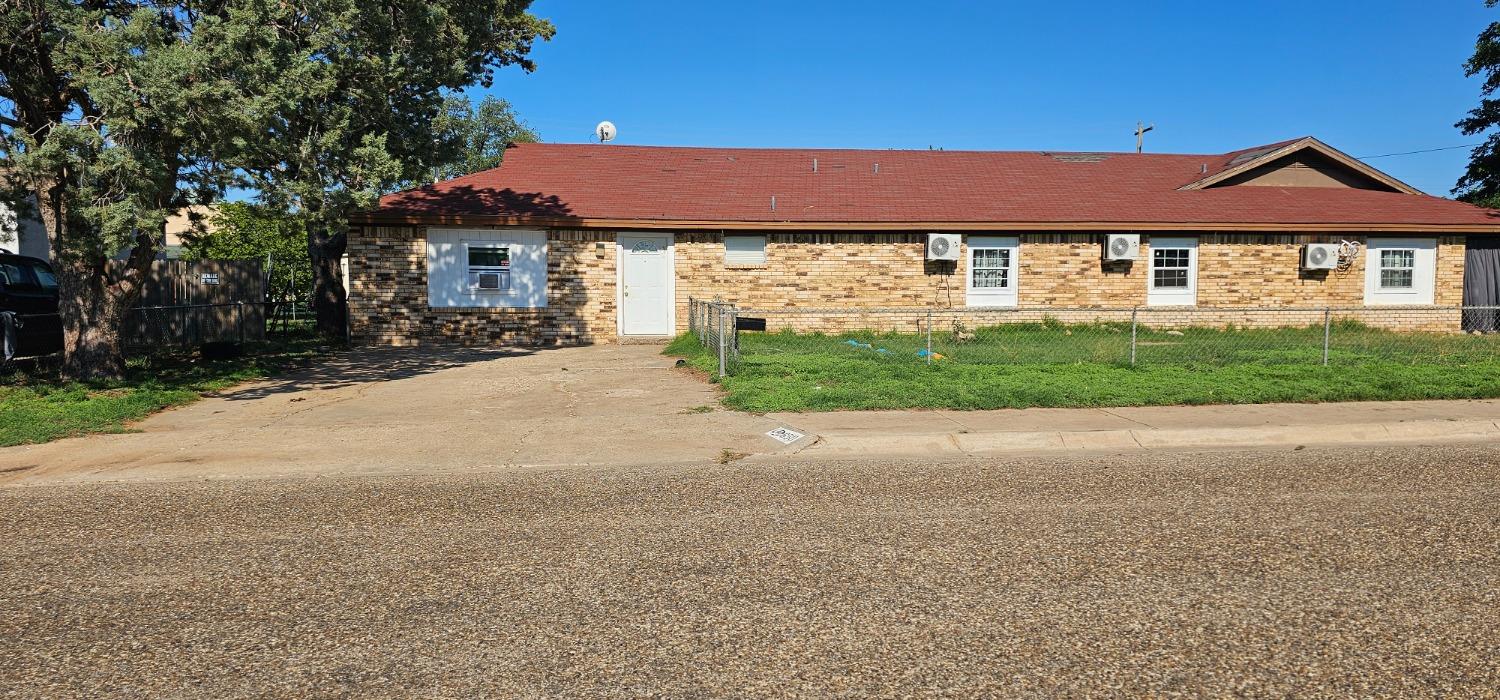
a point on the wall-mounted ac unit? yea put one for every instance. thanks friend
(1320, 256)
(1122, 246)
(942, 246)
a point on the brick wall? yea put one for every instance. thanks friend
(852, 270)
(1055, 270)
(801, 269)
(388, 294)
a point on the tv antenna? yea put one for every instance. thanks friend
(605, 132)
(1140, 134)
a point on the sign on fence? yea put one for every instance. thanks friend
(195, 302)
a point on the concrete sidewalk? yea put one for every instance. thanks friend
(851, 434)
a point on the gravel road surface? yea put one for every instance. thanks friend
(1313, 573)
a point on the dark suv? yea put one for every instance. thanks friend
(29, 324)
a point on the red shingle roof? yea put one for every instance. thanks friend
(733, 185)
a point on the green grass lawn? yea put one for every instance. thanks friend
(1027, 365)
(36, 407)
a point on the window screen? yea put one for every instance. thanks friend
(744, 250)
(489, 257)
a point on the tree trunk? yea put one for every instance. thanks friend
(94, 294)
(93, 312)
(330, 300)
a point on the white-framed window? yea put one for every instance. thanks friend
(488, 267)
(1400, 270)
(993, 263)
(1173, 279)
(742, 251)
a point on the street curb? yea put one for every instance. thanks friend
(867, 444)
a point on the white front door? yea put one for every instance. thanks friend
(645, 284)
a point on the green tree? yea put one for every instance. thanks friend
(117, 114)
(347, 97)
(112, 116)
(473, 138)
(1480, 183)
(240, 231)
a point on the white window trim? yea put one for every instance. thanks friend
(760, 262)
(1424, 272)
(1172, 296)
(991, 296)
(510, 289)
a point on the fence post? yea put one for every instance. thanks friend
(1134, 310)
(1327, 331)
(929, 336)
(294, 293)
(723, 359)
(239, 319)
(734, 333)
(692, 315)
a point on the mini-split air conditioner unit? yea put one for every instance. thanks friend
(1122, 246)
(942, 246)
(1320, 256)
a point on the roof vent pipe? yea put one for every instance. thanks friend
(1203, 170)
(773, 202)
(877, 168)
(815, 165)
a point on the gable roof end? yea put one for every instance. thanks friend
(1251, 158)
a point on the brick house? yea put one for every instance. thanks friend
(572, 243)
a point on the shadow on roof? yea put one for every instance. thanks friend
(468, 199)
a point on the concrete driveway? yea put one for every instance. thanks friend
(391, 411)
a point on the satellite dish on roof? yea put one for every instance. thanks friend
(605, 131)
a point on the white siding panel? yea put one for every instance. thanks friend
(1424, 270)
(447, 269)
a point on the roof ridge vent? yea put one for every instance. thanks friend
(1079, 157)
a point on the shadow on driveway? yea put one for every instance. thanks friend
(413, 410)
(366, 365)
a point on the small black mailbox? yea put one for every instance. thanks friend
(743, 323)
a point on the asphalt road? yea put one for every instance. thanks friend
(1339, 573)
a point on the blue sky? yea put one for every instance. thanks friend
(1369, 78)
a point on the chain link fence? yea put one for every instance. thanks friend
(1123, 336)
(713, 323)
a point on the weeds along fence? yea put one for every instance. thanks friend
(1447, 335)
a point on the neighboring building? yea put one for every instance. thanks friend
(180, 225)
(25, 235)
(22, 234)
(586, 243)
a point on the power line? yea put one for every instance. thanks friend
(1425, 150)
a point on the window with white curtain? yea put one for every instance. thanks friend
(993, 264)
